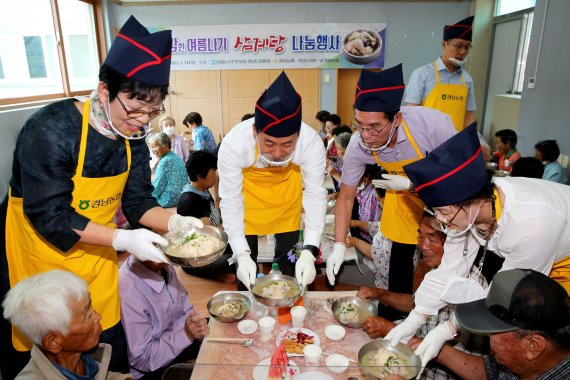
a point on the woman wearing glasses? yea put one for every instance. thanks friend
(524, 220)
(74, 162)
(443, 84)
(390, 136)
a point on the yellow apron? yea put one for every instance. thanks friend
(402, 210)
(272, 198)
(561, 273)
(28, 253)
(449, 98)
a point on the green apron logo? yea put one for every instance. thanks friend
(83, 205)
(443, 96)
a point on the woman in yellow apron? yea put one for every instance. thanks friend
(524, 221)
(74, 163)
(271, 168)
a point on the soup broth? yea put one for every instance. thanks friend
(276, 290)
(351, 313)
(193, 245)
(384, 362)
(229, 309)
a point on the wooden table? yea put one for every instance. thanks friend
(230, 361)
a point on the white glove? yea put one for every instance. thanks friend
(392, 182)
(140, 243)
(305, 268)
(434, 341)
(335, 260)
(247, 268)
(407, 329)
(178, 221)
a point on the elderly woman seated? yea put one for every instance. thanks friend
(170, 176)
(53, 309)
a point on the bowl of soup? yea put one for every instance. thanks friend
(276, 290)
(195, 247)
(362, 46)
(377, 359)
(352, 311)
(228, 307)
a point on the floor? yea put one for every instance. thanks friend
(201, 290)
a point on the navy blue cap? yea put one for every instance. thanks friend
(278, 110)
(451, 173)
(461, 29)
(140, 55)
(380, 91)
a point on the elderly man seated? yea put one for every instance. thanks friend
(53, 309)
(527, 316)
(430, 242)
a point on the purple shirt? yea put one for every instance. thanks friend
(429, 128)
(153, 315)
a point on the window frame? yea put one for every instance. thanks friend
(8, 103)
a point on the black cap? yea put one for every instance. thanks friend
(451, 173)
(141, 55)
(461, 29)
(380, 91)
(518, 299)
(278, 110)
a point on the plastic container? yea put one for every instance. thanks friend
(275, 269)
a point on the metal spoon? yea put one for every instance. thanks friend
(240, 341)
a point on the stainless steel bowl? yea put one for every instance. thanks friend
(492, 166)
(365, 308)
(412, 368)
(198, 261)
(261, 282)
(224, 298)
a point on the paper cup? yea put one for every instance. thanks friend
(312, 354)
(266, 326)
(298, 314)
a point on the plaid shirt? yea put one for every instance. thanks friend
(496, 371)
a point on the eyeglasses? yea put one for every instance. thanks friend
(135, 114)
(445, 222)
(371, 131)
(460, 46)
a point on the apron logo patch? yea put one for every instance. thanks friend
(83, 205)
(451, 97)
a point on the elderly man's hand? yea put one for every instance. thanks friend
(377, 327)
(369, 293)
(196, 325)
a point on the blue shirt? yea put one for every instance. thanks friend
(204, 139)
(422, 82)
(554, 172)
(170, 179)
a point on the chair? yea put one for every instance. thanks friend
(179, 371)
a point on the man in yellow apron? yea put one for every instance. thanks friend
(523, 220)
(75, 161)
(271, 167)
(390, 136)
(443, 84)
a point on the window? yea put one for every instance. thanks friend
(35, 56)
(504, 7)
(50, 52)
(522, 53)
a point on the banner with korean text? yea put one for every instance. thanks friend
(279, 46)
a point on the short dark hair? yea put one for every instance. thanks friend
(549, 149)
(192, 118)
(334, 118)
(199, 163)
(485, 193)
(342, 129)
(322, 115)
(560, 338)
(527, 167)
(247, 116)
(117, 82)
(507, 136)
